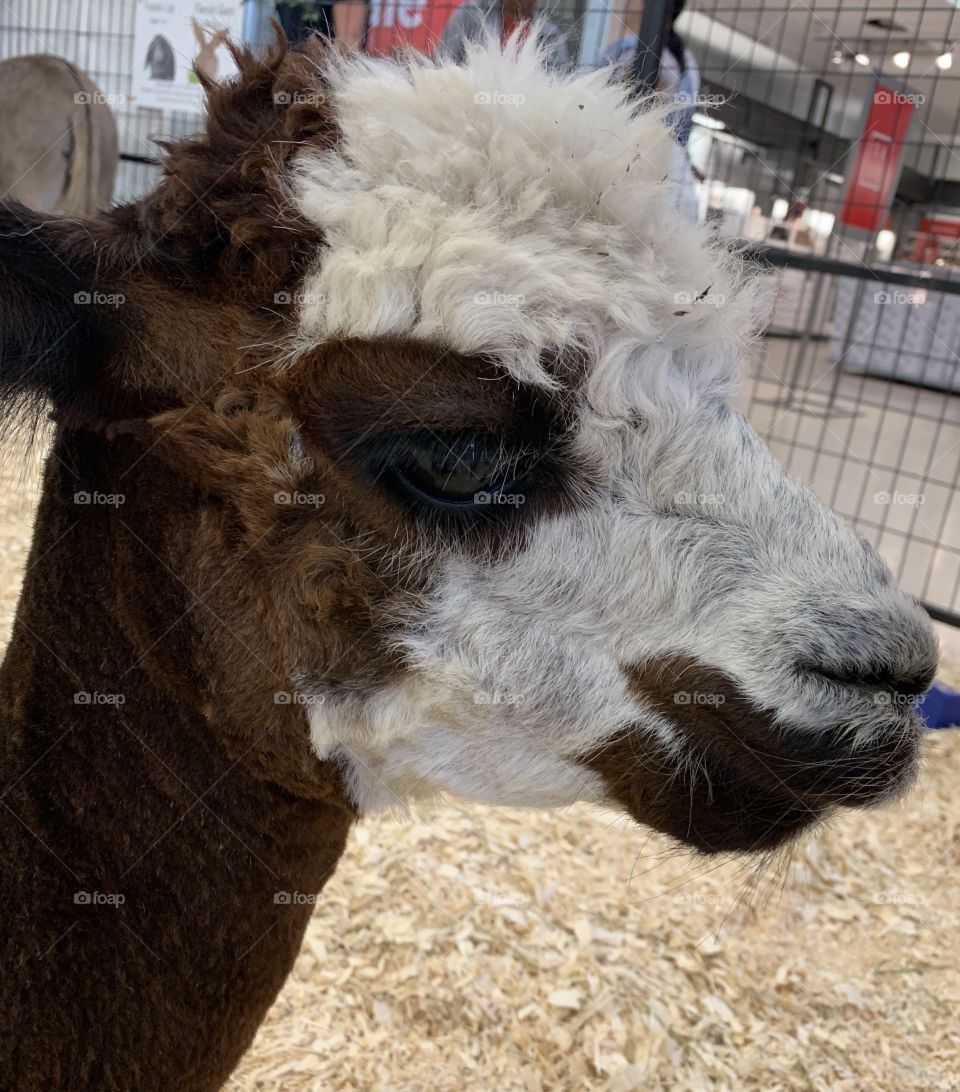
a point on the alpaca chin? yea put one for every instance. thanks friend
(748, 781)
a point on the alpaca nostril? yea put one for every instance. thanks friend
(910, 683)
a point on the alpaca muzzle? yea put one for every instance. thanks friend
(739, 778)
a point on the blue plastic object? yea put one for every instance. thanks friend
(940, 707)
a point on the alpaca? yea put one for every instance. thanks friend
(59, 152)
(393, 456)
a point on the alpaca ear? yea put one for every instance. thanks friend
(198, 33)
(56, 328)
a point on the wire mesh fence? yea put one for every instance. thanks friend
(823, 135)
(854, 389)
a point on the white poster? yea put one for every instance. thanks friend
(170, 37)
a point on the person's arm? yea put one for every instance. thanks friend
(350, 22)
(456, 34)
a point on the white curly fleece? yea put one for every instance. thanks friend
(499, 209)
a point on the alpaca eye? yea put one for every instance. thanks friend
(456, 469)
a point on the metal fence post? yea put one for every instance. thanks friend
(645, 69)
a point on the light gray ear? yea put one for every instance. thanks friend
(53, 332)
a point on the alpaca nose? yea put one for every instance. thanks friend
(909, 681)
(878, 649)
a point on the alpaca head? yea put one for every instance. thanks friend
(445, 384)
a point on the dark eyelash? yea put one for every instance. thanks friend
(398, 460)
(444, 443)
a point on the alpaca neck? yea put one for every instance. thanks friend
(155, 884)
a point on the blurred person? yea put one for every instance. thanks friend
(343, 21)
(500, 18)
(678, 79)
(301, 19)
(679, 76)
(794, 230)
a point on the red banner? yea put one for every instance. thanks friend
(876, 166)
(395, 24)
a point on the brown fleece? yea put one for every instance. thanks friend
(144, 844)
